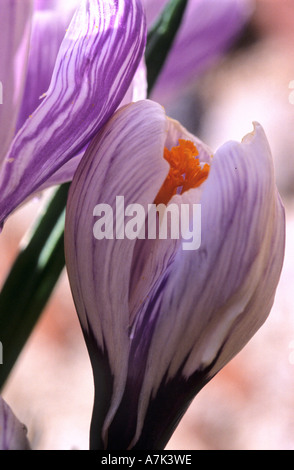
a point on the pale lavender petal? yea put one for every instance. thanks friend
(15, 30)
(96, 63)
(121, 161)
(13, 434)
(138, 88)
(217, 297)
(209, 27)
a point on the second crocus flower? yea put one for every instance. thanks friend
(159, 320)
(208, 30)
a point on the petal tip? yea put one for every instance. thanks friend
(257, 129)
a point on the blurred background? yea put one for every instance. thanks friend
(249, 405)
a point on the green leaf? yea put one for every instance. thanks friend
(161, 37)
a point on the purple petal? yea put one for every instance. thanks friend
(56, 4)
(96, 63)
(44, 4)
(15, 30)
(64, 174)
(13, 434)
(136, 91)
(48, 31)
(209, 28)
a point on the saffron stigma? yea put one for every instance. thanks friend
(185, 171)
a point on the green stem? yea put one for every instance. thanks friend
(161, 37)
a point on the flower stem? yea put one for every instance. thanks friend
(161, 37)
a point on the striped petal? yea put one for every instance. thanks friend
(13, 435)
(95, 65)
(15, 30)
(137, 91)
(48, 30)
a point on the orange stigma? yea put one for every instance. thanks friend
(185, 171)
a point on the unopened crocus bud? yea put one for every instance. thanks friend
(162, 315)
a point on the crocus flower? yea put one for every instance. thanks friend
(13, 434)
(159, 320)
(96, 63)
(208, 29)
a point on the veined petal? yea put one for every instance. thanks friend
(13, 434)
(121, 161)
(95, 65)
(15, 30)
(137, 91)
(64, 174)
(48, 30)
(217, 297)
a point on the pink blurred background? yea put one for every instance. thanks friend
(249, 405)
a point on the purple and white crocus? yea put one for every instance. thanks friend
(98, 57)
(160, 322)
